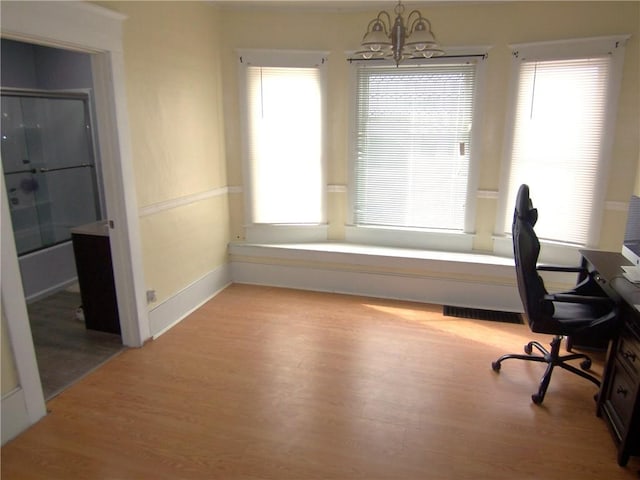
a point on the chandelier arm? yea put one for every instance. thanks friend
(416, 13)
(379, 17)
(411, 25)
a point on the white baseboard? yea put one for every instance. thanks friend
(51, 290)
(172, 311)
(15, 418)
(426, 290)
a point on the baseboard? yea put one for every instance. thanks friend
(472, 279)
(15, 418)
(441, 291)
(51, 290)
(172, 311)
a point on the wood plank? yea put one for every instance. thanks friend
(273, 383)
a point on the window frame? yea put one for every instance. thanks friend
(423, 238)
(284, 232)
(553, 250)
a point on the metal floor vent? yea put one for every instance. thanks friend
(478, 314)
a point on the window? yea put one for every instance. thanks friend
(564, 110)
(412, 154)
(283, 120)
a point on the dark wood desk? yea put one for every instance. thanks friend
(619, 397)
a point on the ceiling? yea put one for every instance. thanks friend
(330, 5)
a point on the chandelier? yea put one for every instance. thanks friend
(401, 39)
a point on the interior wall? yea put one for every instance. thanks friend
(496, 24)
(173, 84)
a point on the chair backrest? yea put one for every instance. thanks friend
(526, 249)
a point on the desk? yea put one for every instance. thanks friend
(619, 397)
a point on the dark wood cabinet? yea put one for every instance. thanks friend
(619, 398)
(620, 402)
(92, 253)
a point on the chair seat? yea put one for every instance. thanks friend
(572, 318)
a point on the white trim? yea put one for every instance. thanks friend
(285, 233)
(52, 289)
(282, 58)
(550, 252)
(15, 311)
(15, 418)
(469, 280)
(172, 311)
(410, 238)
(120, 196)
(472, 53)
(181, 201)
(487, 194)
(336, 189)
(568, 48)
(235, 189)
(93, 28)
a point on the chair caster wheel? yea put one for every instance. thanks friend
(585, 364)
(528, 349)
(537, 399)
(495, 366)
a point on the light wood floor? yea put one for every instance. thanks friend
(273, 383)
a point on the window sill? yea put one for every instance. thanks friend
(405, 238)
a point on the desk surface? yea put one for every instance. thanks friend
(609, 266)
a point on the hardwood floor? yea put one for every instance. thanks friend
(273, 383)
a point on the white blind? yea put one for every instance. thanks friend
(285, 144)
(413, 129)
(557, 143)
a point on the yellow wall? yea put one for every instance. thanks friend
(182, 76)
(9, 374)
(173, 83)
(497, 24)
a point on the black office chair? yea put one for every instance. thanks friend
(585, 310)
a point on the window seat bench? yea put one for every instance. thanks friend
(474, 280)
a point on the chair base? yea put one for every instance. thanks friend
(553, 359)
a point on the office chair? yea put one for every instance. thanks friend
(583, 310)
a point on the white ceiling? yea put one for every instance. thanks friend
(333, 5)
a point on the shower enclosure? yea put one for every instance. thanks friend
(50, 176)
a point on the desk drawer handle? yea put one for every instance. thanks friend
(622, 391)
(629, 356)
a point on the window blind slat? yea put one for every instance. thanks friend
(410, 170)
(285, 144)
(557, 142)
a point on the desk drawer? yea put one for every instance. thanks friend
(620, 399)
(629, 352)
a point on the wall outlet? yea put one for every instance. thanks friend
(151, 296)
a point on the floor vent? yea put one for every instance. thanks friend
(478, 314)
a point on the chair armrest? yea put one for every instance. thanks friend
(570, 298)
(559, 268)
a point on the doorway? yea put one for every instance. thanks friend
(53, 186)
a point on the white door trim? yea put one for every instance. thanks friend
(97, 30)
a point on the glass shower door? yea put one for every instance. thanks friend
(49, 167)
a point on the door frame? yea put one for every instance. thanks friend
(96, 30)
